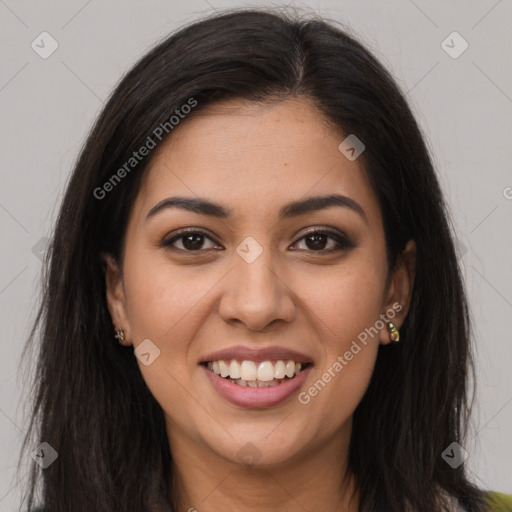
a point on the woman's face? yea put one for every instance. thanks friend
(252, 285)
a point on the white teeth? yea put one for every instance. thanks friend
(290, 369)
(279, 370)
(234, 369)
(248, 370)
(224, 369)
(250, 373)
(266, 371)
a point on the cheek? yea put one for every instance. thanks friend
(162, 297)
(344, 301)
(344, 310)
(165, 305)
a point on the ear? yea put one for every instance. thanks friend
(399, 291)
(116, 300)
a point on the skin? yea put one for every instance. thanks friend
(254, 158)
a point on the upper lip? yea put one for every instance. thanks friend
(242, 353)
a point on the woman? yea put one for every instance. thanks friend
(252, 299)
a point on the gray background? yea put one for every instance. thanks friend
(464, 106)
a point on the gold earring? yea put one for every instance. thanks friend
(119, 335)
(395, 335)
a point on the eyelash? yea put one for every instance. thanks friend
(342, 241)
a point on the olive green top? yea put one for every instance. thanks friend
(499, 502)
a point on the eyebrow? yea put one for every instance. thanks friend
(290, 210)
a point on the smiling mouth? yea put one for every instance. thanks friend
(255, 374)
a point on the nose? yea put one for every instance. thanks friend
(256, 296)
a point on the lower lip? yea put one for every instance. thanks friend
(245, 396)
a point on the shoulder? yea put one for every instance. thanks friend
(499, 502)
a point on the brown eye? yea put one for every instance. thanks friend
(190, 241)
(193, 242)
(318, 241)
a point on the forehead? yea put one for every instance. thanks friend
(255, 156)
